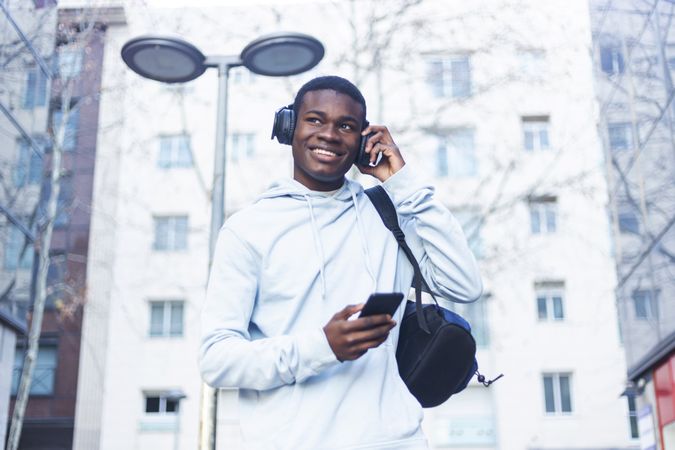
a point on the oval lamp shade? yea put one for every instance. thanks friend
(170, 60)
(282, 54)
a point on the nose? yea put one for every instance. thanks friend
(328, 133)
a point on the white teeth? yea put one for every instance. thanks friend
(321, 151)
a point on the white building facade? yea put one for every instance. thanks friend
(492, 101)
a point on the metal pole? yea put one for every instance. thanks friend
(207, 435)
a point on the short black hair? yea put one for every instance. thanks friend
(333, 83)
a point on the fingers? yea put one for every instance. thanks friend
(348, 311)
(353, 345)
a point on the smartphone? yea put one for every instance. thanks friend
(363, 158)
(379, 303)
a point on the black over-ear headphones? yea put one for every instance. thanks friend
(284, 127)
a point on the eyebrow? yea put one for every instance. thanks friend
(323, 114)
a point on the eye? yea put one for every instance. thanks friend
(347, 126)
(312, 120)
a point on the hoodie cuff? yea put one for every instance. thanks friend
(403, 184)
(316, 352)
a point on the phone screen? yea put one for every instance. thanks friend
(380, 303)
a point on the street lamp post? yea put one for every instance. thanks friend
(172, 60)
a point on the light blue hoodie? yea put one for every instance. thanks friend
(282, 268)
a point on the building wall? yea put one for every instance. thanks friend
(633, 48)
(638, 93)
(131, 189)
(49, 417)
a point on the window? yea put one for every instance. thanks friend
(543, 216)
(535, 133)
(455, 154)
(620, 136)
(557, 393)
(69, 62)
(71, 128)
(611, 59)
(35, 93)
(629, 223)
(632, 416)
(18, 251)
(166, 318)
(550, 301)
(174, 151)
(450, 76)
(171, 233)
(163, 403)
(43, 375)
(645, 303)
(28, 167)
(241, 146)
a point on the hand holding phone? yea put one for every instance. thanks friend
(380, 303)
(351, 339)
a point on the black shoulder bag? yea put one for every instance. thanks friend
(436, 352)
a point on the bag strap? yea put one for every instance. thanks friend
(387, 211)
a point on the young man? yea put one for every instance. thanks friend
(290, 271)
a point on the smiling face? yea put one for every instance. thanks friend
(326, 139)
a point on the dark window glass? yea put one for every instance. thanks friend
(565, 394)
(549, 396)
(620, 137)
(628, 223)
(541, 308)
(558, 308)
(152, 404)
(632, 416)
(171, 405)
(35, 93)
(611, 59)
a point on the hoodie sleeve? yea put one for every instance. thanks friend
(227, 355)
(435, 237)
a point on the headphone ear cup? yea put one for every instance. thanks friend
(284, 125)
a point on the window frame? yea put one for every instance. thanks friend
(16, 240)
(175, 151)
(545, 209)
(626, 138)
(649, 301)
(163, 400)
(74, 66)
(549, 291)
(536, 127)
(617, 62)
(442, 78)
(168, 308)
(17, 368)
(557, 393)
(36, 89)
(172, 241)
(28, 167)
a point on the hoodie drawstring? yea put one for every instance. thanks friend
(319, 247)
(364, 243)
